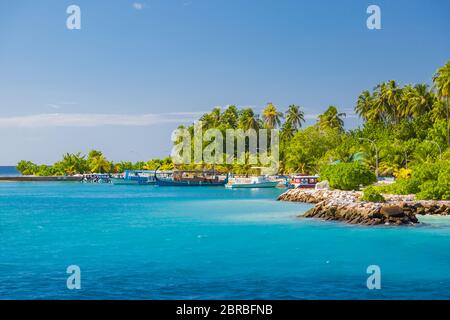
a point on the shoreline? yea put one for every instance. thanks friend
(344, 206)
(39, 178)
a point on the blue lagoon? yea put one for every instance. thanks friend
(136, 242)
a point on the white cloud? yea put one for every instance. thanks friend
(138, 5)
(96, 120)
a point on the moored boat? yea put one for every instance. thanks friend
(191, 178)
(252, 182)
(96, 178)
(308, 182)
(134, 177)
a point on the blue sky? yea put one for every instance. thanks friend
(137, 69)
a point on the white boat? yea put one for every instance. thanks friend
(252, 182)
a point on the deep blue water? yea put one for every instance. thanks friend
(9, 171)
(204, 243)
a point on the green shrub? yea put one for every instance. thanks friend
(371, 194)
(401, 186)
(429, 181)
(347, 176)
(437, 188)
(27, 168)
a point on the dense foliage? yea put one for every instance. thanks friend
(95, 162)
(427, 181)
(347, 176)
(371, 194)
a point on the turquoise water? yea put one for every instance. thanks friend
(204, 243)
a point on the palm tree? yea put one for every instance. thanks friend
(388, 101)
(99, 164)
(417, 101)
(72, 163)
(230, 117)
(442, 83)
(271, 116)
(248, 119)
(215, 116)
(364, 107)
(295, 117)
(331, 118)
(287, 131)
(212, 119)
(439, 110)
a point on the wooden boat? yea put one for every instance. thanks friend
(190, 178)
(135, 177)
(252, 182)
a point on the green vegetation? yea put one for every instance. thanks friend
(95, 162)
(427, 181)
(409, 125)
(347, 176)
(371, 194)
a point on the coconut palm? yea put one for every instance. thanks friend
(331, 118)
(215, 116)
(72, 163)
(287, 131)
(388, 98)
(248, 120)
(230, 117)
(271, 116)
(295, 117)
(212, 119)
(364, 107)
(99, 164)
(417, 101)
(442, 83)
(439, 110)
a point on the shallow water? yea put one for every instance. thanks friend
(148, 242)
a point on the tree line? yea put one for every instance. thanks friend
(408, 124)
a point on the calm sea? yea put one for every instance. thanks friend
(9, 171)
(204, 243)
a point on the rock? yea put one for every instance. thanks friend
(392, 211)
(324, 185)
(336, 205)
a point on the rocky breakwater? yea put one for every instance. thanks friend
(345, 206)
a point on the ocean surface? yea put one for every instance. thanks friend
(9, 171)
(134, 242)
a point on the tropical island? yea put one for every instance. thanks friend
(404, 134)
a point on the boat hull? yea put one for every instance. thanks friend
(268, 184)
(130, 182)
(170, 183)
